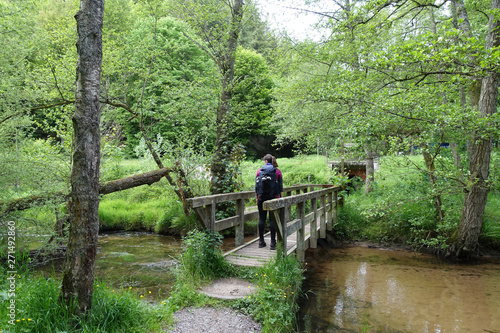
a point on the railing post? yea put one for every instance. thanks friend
(240, 228)
(334, 209)
(322, 219)
(313, 240)
(329, 225)
(281, 218)
(301, 214)
(212, 208)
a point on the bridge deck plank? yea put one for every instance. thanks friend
(249, 254)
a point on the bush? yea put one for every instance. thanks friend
(275, 305)
(202, 258)
(401, 210)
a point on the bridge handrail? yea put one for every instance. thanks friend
(225, 197)
(277, 203)
(326, 211)
(206, 208)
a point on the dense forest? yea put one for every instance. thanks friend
(200, 88)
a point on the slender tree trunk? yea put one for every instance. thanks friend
(78, 276)
(221, 181)
(370, 171)
(465, 240)
(431, 168)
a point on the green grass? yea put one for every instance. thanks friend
(298, 170)
(274, 305)
(39, 310)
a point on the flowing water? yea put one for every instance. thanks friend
(136, 261)
(361, 289)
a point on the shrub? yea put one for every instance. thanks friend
(275, 305)
(202, 257)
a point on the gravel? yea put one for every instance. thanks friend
(212, 320)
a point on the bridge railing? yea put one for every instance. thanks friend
(322, 207)
(297, 195)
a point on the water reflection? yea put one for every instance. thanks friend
(359, 288)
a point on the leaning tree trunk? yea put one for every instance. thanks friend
(465, 240)
(78, 276)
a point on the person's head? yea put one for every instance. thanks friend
(268, 158)
(275, 163)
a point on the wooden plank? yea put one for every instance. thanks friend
(218, 198)
(322, 219)
(314, 222)
(240, 224)
(293, 226)
(226, 223)
(301, 212)
(295, 199)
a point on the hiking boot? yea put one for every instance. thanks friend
(272, 246)
(262, 244)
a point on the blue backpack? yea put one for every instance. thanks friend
(265, 182)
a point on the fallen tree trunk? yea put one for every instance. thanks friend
(146, 178)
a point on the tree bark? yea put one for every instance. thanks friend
(465, 240)
(431, 169)
(370, 171)
(146, 178)
(78, 276)
(221, 181)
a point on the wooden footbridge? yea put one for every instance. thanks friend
(302, 216)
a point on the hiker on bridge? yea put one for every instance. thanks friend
(268, 185)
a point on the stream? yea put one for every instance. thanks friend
(349, 289)
(362, 289)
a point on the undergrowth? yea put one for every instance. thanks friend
(278, 283)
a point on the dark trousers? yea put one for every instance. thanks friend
(262, 222)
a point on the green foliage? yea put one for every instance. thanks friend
(251, 102)
(34, 166)
(298, 170)
(274, 305)
(400, 210)
(189, 152)
(170, 84)
(201, 258)
(39, 310)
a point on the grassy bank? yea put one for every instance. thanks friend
(400, 210)
(37, 309)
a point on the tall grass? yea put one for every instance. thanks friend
(39, 310)
(274, 305)
(154, 208)
(202, 258)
